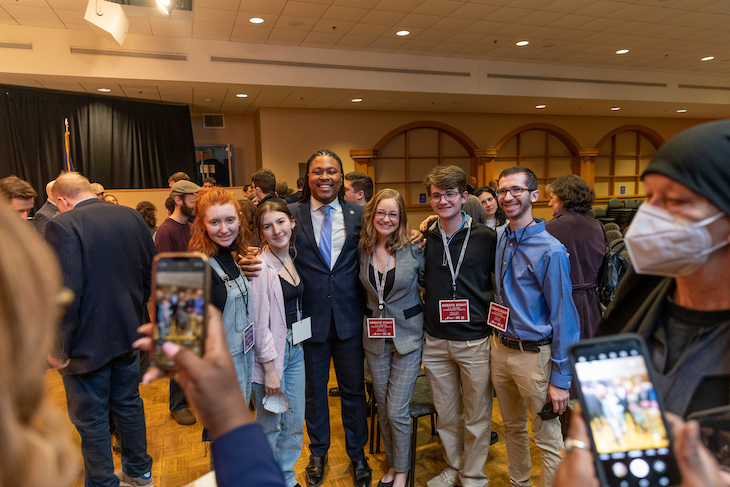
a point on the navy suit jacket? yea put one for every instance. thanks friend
(335, 292)
(43, 216)
(106, 254)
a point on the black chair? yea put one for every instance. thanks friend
(421, 405)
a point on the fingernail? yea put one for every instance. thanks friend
(170, 349)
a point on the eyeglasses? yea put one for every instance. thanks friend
(448, 196)
(513, 191)
(380, 215)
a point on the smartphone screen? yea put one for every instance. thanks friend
(181, 290)
(629, 435)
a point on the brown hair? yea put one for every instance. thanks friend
(369, 236)
(14, 187)
(178, 176)
(200, 241)
(473, 207)
(446, 177)
(265, 180)
(573, 192)
(270, 206)
(37, 445)
(148, 212)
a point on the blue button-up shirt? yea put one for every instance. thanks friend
(533, 281)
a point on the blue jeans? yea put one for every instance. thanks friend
(89, 398)
(285, 431)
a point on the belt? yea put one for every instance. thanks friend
(524, 345)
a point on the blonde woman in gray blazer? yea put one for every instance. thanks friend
(389, 270)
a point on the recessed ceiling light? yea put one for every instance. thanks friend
(208, 100)
(540, 107)
(455, 103)
(104, 90)
(403, 33)
(522, 43)
(256, 20)
(356, 100)
(707, 58)
(682, 110)
(615, 109)
(241, 95)
(622, 51)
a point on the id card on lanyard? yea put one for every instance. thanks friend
(454, 310)
(381, 327)
(498, 316)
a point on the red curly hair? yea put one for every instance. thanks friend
(200, 241)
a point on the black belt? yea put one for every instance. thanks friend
(524, 345)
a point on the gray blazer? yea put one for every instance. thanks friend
(403, 303)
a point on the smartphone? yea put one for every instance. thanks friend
(180, 293)
(630, 437)
(715, 432)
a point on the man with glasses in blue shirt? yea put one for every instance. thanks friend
(536, 320)
(459, 264)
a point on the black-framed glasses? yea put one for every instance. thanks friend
(393, 216)
(448, 196)
(513, 191)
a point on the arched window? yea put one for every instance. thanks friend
(546, 150)
(407, 154)
(622, 156)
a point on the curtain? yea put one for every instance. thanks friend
(115, 142)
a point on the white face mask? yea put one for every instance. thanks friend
(661, 245)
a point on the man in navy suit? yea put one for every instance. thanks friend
(334, 299)
(106, 255)
(47, 211)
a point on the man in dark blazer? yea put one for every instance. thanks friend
(106, 255)
(329, 231)
(47, 211)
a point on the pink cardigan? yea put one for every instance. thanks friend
(269, 320)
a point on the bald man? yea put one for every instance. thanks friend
(47, 211)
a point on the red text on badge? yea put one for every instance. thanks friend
(381, 327)
(498, 316)
(454, 310)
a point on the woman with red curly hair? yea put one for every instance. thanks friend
(219, 233)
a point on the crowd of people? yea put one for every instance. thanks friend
(485, 297)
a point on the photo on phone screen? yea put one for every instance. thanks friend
(623, 412)
(180, 291)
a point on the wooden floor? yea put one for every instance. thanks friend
(180, 457)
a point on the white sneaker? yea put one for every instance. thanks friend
(444, 479)
(126, 481)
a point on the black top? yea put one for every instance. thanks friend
(218, 291)
(389, 280)
(291, 299)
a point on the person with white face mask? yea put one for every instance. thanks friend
(678, 293)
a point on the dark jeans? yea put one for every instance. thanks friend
(178, 400)
(90, 397)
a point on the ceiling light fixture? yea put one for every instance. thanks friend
(103, 90)
(707, 58)
(615, 109)
(241, 95)
(168, 6)
(540, 107)
(356, 100)
(622, 51)
(522, 43)
(682, 110)
(403, 33)
(256, 20)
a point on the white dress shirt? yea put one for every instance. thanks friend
(338, 226)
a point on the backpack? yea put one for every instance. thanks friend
(611, 272)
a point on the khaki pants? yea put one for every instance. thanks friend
(521, 381)
(458, 373)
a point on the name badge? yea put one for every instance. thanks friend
(498, 316)
(381, 327)
(454, 310)
(301, 330)
(248, 338)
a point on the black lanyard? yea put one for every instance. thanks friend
(504, 271)
(226, 279)
(300, 291)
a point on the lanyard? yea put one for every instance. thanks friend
(244, 294)
(504, 272)
(455, 273)
(300, 292)
(380, 283)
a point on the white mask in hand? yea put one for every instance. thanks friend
(662, 245)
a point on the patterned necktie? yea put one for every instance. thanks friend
(325, 235)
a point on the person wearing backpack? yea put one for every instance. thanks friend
(571, 199)
(678, 294)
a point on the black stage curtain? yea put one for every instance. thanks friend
(115, 142)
